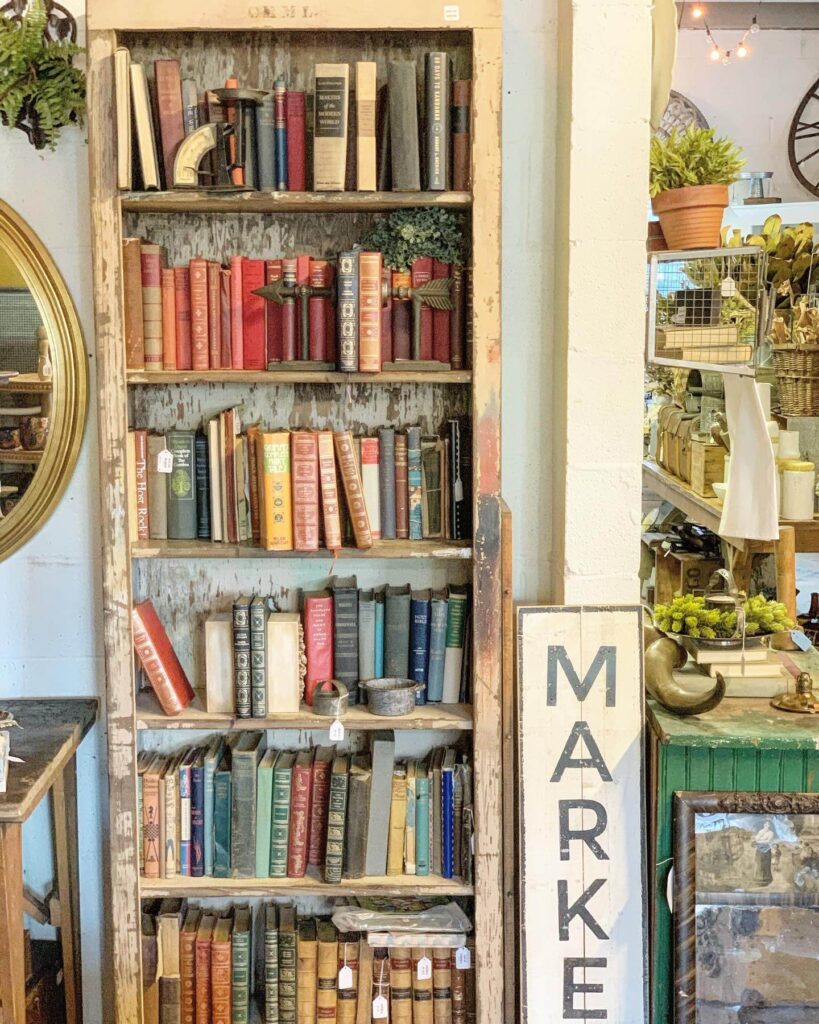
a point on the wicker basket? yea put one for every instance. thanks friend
(797, 376)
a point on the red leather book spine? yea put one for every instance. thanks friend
(401, 318)
(353, 490)
(302, 278)
(289, 334)
(296, 149)
(199, 313)
(273, 272)
(304, 463)
(203, 1007)
(214, 316)
(386, 315)
(168, 320)
(141, 462)
(220, 981)
(440, 318)
(300, 793)
(318, 812)
(151, 258)
(329, 491)
(169, 107)
(187, 964)
(330, 317)
(318, 642)
(159, 660)
(318, 312)
(225, 357)
(236, 318)
(422, 274)
(456, 319)
(253, 326)
(369, 312)
(182, 287)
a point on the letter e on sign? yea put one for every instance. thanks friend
(581, 811)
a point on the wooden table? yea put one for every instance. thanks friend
(51, 732)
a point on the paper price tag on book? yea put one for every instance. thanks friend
(345, 978)
(164, 461)
(336, 732)
(424, 968)
(463, 959)
(381, 1010)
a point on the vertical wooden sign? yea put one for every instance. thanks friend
(582, 815)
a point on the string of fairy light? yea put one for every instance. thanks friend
(720, 53)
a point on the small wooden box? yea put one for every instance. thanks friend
(707, 467)
(681, 572)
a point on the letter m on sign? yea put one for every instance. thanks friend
(559, 662)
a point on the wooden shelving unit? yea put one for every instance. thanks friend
(188, 578)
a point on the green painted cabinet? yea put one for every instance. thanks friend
(743, 745)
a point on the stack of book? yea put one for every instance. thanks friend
(281, 489)
(206, 316)
(361, 136)
(201, 963)
(756, 672)
(231, 809)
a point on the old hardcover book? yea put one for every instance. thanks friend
(184, 776)
(358, 813)
(273, 312)
(222, 813)
(422, 986)
(168, 288)
(317, 312)
(159, 660)
(306, 971)
(216, 471)
(170, 1000)
(401, 492)
(386, 315)
(365, 141)
(330, 132)
(144, 128)
(140, 442)
(436, 810)
(382, 751)
(240, 962)
(409, 833)
(182, 516)
(288, 312)
(265, 120)
(448, 814)
(132, 303)
(400, 985)
(296, 141)
(198, 270)
(397, 632)
(284, 645)
(461, 135)
(458, 990)
(169, 782)
(422, 805)
(420, 601)
(219, 692)
(276, 512)
(336, 820)
(437, 646)
(370, 483)
(421, 274)
(369, 312)
(287, 965)
(280, 131)
(386, 482)
(182, 306)
(380, 989)
(441, 986)
(241, 656)
(436, 66)
(214, 315)
(321, 768)
(203, 946)
(258, 643)
(151, 827)
(327, 973)
(220, 971)
(414, 484)
(345, 633)
(328, 478)
(457, 357)
(202, 474)
(350, 176)
(406, 168)
(401, 317)
(382, 139)
(365, 981)
(270, 951)
(305, 475)
(169, 104)
(280, 820)
(432, 506)
(264, 807)
(254, 342)
(460, 473)
(187, 964)
(152, 258)
(300, 800)
(353, 491)
(246, 754)
(197, 857)
(380, 597)
(237, 349)
(253, 438)
(347, 995)
(348, 311)
(398, 821)
(122, 92)
(130, 481)
(212, 756)
(441, 327)
(318, 639)
(453, 657)
(366, 635)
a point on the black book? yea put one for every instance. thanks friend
(460, 476)
(406, 167)
(345, 633)
(358, 814)
(202, 487)
(386, 481)
(466, 664)
(382, 132)
(182, 517)
(241, 657)
(437, 120)
(246, 754)
(397, 632)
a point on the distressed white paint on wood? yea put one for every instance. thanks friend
(618, 906)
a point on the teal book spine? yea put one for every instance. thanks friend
(379, 636)
(422, 824)
(211, 762)
(271, 971)
(437, 647)
(264, 807)
(414, 483)
(280, 824)
(221, 824)
(240, 973)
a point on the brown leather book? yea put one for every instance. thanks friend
(456, 318)
(152, 259)
(422, 986)
(353, 490)
(254, 442)
(168, 319)
(182, 287)
(380, 988)
(199, 313)
(204, 941)
(401, 985)
(441, 986)
(300, 797)
(329, 491)
(220, 971)
(132, 295)
(187, 963)
(150, 965)
(169, 106)
(305, 477)
(365, 981)
(458, 992)
(214, 315)
(327, 991)
(225, 357)
(347, 996)
(306, 972)
(401, 493)
(369, 312)
(461, 135)
(322, 767)
(170, 1000)
(471, 998)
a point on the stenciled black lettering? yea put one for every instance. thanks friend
(581, 730)
(572, 987)
(557, 656)
(566, 913)
(587, 835)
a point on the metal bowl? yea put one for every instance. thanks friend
(696, 644)
(392, 696)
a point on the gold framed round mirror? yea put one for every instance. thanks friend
(43, 383)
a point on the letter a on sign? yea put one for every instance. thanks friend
(582, 828)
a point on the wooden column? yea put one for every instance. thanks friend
(12, 958)
(66, 841)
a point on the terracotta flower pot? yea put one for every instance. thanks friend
(691, 217)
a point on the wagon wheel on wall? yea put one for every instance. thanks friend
(803, 141)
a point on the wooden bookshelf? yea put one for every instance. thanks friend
(188, 578)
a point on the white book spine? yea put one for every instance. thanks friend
(369, 483)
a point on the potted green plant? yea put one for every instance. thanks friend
(688, 182)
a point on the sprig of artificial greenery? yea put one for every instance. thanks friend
(694, 157)
(406, 235)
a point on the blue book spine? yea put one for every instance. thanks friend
(221, 824)
(379, 639)
(197, 821)
(437, 648)
(447, 822)
(419, 641)
(280, 104)
(184, 819)
(422, 824)
(210, 771)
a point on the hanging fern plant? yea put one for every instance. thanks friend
(40, 89)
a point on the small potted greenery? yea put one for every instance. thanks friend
(697, 622)
(688, 182)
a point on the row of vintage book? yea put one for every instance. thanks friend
(233, 809)
(345, 135)
(281, 489)
(349, 312)
(209, 965)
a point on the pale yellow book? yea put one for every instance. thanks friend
(398, 821)
(365, 96)
(283, 663)
(409, 837)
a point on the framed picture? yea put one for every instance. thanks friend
(746, 908)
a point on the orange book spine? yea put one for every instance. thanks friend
(220, 981)
(237, 347)
(203, 1001)
(199, 313)
(168, 319)
(141, 447)
(353, 491)
(214, 315)
(329, 491)
(369, 312)
(304, 461)
(187, 964)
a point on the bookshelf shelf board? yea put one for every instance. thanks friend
(21, 456)
(157, 377)
(384, 885)
(202, 201)
(149, 716)
(446, 549)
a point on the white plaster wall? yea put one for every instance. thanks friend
(753, 101)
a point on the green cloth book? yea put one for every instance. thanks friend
(280, 822)
(182, 523)
(221, 817)
(240, 962)
(213, 755)
(264, 808)
(422, 819)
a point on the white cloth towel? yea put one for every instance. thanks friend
(749, 511)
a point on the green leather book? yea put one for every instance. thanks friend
(280, 821)
(221, 817)
(287, 965)
(247, 752)
(271, 964)
(240, 961)
(336, 820)
(182, 523)
(264, 808)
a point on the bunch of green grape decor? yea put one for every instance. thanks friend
(691, 616)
